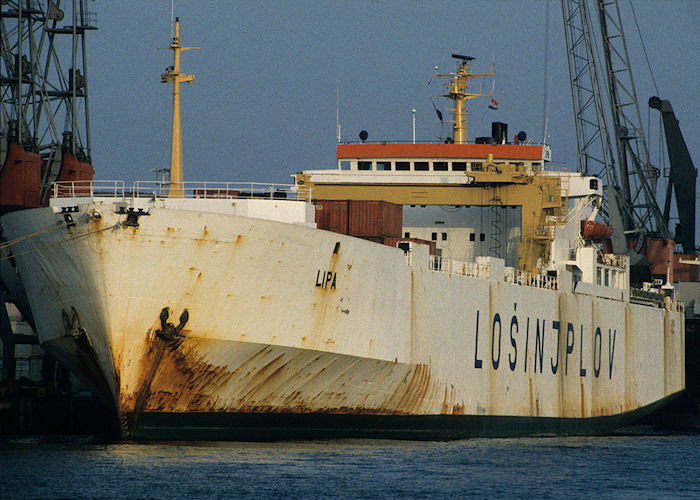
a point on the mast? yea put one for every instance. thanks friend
(172, 74)
(458, 89)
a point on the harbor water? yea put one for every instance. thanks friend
(627, 466)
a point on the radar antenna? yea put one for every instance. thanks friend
(459, 89)
(172, 74)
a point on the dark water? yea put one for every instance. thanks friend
(609, 467)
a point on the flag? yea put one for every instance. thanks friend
(439, 114)
(494, 104)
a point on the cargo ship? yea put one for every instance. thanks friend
(414, 291)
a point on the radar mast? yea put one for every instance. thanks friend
(172, 74)
(459, 89)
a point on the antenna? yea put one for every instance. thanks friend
(545, 97)
(413, 113)
(172, 19)
(337, 106)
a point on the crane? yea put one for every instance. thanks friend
(44, 122)
(682, 176)
(610, 134)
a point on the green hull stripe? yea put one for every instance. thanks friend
(285, 426)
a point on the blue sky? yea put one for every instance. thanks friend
(263, 104)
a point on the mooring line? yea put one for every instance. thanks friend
(12, 256)
(27, 236)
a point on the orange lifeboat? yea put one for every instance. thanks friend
(595, 231)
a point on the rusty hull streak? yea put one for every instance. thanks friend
(153, 359)
(176, 378)
(325, 298)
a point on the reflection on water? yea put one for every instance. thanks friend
(629, 466)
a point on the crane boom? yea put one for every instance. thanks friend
(630, 190)
(682, 177)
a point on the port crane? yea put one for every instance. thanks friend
(610, 135)
(44, 105)
(44, 122)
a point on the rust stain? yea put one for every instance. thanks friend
(449, 406)
(416, 390)
(447, 400)
(168, 336)
(152, 360)
(193, 381)
(176, 377)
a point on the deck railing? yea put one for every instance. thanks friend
(202, 190)
(483, 271)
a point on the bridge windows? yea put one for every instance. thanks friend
(421, 166)
(407, 165)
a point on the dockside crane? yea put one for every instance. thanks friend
(44, 109)
(611, 140)
(682, 177)
(44, 123)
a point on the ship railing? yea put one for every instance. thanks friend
(657, 297)
(221, 190)
(88, 189)
(536, 280)
(481, 270)
(463, 268)
(205, 190)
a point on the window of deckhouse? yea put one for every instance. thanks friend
(364, 165)
(459, 166)
(403, 165)
(383, 165)
(440, 166)
(421, 166)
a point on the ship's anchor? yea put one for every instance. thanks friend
(168, 331)
(72, 326)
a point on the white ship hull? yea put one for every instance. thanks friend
(292, 331)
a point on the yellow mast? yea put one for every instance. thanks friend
(172, 74)
(458, 91)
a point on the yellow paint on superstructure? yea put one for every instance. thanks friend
(539, 195)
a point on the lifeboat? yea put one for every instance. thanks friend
(595, 231)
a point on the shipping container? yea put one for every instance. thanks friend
(374, 218)
(332, 215)
(362, 218)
